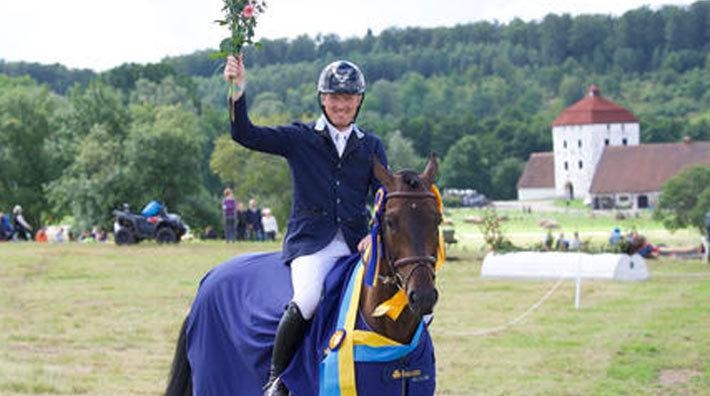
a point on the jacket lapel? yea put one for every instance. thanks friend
(321, 129)
(354, 141)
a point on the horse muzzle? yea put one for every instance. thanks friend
(422, 302)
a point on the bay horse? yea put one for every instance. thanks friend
(368, 335)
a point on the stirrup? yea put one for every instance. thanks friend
(275, 387)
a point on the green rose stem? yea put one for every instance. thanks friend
(240, 16)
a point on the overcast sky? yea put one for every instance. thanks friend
(100, 34)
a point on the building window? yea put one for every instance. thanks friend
(606, 142)
(580, 164)
(564, 144)
(622, 126)
(623, 202)
(608, 127)
(623, 141)
(642, 202)
(579, 143)
(566, 167)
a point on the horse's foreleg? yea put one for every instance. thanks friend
(180, 381)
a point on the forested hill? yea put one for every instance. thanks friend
(482, 95)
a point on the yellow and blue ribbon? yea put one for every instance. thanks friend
(375, 250)
(349, 345)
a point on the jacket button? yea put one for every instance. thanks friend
(337, 182)
(340, 165)
(337, 200)
(337, 220)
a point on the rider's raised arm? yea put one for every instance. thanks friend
(274, 140)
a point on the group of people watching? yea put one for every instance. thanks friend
(561, 243)
(17, 228)
(632, 243)
(247, 224)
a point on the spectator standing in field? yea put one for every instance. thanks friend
(241, 222)
(255, 232)
(229, 211)
(269, 224)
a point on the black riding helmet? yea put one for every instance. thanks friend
(341, 77)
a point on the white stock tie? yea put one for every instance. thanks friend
(340, 143)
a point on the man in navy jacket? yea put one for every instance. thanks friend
(331, 162)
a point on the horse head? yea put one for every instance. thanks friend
(409, 230)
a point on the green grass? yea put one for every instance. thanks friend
(524, 229)
(572, 204)
(102, 320)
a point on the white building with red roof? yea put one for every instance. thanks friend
(579, 136)
(597, 157)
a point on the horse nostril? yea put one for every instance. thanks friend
(413, 297)
(423, 302)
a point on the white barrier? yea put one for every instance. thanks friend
(563, 265)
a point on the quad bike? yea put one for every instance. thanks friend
(130, 228)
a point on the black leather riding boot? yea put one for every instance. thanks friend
(289, 335)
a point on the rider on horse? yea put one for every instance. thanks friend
(331, 163)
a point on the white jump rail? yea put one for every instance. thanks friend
(564, 265)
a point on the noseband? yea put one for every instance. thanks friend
(426, 262)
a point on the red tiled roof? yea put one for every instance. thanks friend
(539, 172)
(646, 167)
(594, 109)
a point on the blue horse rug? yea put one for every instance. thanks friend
(233, 320)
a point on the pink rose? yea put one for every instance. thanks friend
(248, 11)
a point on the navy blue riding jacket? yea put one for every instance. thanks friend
(329, 192)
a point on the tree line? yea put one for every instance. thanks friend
(482, 95)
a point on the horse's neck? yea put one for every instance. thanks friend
(401, 330)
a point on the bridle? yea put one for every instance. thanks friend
(425, 262)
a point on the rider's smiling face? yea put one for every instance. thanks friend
(341, 108)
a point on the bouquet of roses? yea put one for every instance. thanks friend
(240, 17)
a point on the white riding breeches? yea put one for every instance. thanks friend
(308, 274)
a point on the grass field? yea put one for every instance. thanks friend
(102, 320)
(595, 227)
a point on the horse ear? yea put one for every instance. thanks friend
(431, 169)
(381, 173)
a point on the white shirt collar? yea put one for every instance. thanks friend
(322, 123)
(334, 131)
